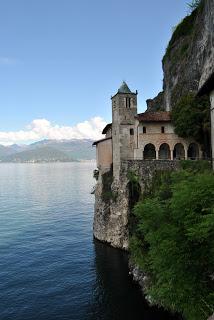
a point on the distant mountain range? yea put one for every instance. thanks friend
(49, 151)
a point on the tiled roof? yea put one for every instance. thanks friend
(107, 127)
(159, 116)
(98, 141)
(124, 88)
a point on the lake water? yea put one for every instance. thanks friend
(50, 266)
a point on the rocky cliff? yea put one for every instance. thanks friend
(188, 61)
(114, 200)
(189, 57)
(111, 211)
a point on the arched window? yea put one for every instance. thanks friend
(128, 102)
(164, 152)
(193, 151)
(149, 152)
(178, 152)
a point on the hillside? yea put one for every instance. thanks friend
(76, 149)
(49, 150)
(41, 154)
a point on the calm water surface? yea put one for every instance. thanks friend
(50, 266)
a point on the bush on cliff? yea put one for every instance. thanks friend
(174, 243)
(191, 118)
(194, 4)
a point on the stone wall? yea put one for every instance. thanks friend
(111, 218)
(123, 120)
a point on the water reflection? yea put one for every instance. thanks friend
(115, 295)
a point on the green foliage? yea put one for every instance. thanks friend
(132, 177)
(134, 188)
(195, 166)
(184, 29)
(174, 243)
(194, 4)
(191, 118)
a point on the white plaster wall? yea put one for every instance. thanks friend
(104, 155)
(156, 127)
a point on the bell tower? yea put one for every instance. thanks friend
(124, 111)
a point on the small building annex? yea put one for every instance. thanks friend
(144, 136)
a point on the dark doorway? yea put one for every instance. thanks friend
(164, 152)
(193, 151)
(149, 152)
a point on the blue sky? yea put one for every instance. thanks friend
(61, 60)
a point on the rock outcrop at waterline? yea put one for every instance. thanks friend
(111, 213)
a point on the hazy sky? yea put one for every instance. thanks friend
(61, 60)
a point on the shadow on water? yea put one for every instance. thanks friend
(116, 296)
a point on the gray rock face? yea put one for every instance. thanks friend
(156, 104)
(208, 43)
(189, 58)
(112, 215)
(140, 277)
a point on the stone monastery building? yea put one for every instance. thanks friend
(145, 136)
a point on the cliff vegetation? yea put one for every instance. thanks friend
(186, 56)
(173, 241)
(191, 118)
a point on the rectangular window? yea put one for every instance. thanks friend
(162, 129)
(131, 132)
(144, 129)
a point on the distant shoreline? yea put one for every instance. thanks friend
(54, 161)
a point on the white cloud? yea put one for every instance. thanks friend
(40, 129)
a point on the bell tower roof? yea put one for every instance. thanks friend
(124, 88)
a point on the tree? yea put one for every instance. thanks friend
(174, 243)
(191, 118)
(194, 4)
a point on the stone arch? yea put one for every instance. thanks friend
(164, 152)
(149, 152)
(179, 152)
(193, 151)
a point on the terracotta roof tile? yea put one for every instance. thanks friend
(107, 127)
(101, 140)
(159, 116)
